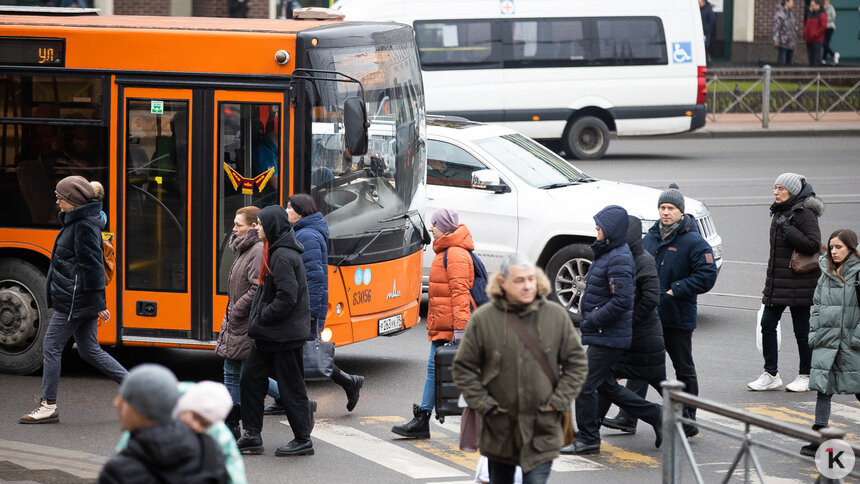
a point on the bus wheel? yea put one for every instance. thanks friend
(566, 271)
(586, 139)
(24, 316)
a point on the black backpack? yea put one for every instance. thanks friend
(478, 291)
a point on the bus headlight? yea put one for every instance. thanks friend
(326, 334)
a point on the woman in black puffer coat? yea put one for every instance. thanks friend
(75, 291)
(793, 227)
(644, 362)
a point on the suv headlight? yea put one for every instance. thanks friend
(718, 251)
(646, 225)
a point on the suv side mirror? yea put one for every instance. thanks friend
(355, 124)
(489, 180)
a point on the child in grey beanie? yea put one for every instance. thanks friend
(150, 389)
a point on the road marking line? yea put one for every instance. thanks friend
(384, 453)
(626, 458)
(838, 410)
(34, 456)
(449, 449)
(782, 413)
(575, 463)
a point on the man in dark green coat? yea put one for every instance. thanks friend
(502, 380)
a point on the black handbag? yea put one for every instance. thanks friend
(318, 357)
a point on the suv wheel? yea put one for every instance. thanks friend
(566, 271)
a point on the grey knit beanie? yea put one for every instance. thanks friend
(673, 196)
(791, 181)
(76, 190)
(151, 390)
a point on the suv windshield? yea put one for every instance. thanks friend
(530, 161)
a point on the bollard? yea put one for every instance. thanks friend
(765, 98)
(671, 442)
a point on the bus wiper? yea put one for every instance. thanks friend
(559, 185)
(425, 235)
(355, 255)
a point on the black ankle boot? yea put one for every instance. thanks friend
(418, 427)
(351, 384)
(250, 443)
(232, 421)
(811, 448)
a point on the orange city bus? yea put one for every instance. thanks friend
(185, 120)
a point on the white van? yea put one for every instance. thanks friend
(558, 69)
(517, 196)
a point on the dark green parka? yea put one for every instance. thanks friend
(834, 331)
(496, 371)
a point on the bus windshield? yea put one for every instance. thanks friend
(368, 196)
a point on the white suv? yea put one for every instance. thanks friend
(517, 196)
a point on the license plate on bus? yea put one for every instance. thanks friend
(391, 324)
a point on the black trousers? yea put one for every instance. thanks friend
(828, 35)
(287, 368)
(601, 380)
(639, 387)
(679, 346)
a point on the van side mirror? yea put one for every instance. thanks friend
(355, 124)
(489, 180)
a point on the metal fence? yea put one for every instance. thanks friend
(768, 92)
(676, 447)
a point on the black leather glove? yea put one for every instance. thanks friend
(782, 223)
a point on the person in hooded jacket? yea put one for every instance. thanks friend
(814, 29)
(75, 289)
(233, 342)
(312, 232)
(793, 227)
(278, 324)
(448, 308)
(159, 449)
(834, 332)
(644, 363)
(686, 268)
(606, 325)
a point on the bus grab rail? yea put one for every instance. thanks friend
(674, 399)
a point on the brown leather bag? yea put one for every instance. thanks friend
(801, 263)
(540, 356)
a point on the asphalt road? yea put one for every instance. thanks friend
(733, 176)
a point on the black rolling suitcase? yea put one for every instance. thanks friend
(447, 394)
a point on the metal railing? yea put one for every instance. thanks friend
(675, 441)
(765, 93)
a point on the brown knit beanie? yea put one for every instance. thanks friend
(76, 190)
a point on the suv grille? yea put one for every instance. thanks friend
(706, 227)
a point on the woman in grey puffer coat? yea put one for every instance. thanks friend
(834, 331)
(784, 31)
(233, 342)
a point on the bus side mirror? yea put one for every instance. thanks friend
(355, 124)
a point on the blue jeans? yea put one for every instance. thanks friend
(785, 56)
(84, 331)
(428, 400)
(233, 375)
(504, 473)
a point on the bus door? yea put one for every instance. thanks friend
(249, 140)
(156, 300)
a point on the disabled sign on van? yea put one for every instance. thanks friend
(682, 52)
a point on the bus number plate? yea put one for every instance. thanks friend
(391, 324)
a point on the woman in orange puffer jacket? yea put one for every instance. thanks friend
(448, 308)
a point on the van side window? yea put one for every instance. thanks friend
(548, 43)
(472, 44)
(630, 41)
(449, 165)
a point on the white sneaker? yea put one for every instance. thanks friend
(800, 384)
(835, 61)
(765, 382)
(42, 414)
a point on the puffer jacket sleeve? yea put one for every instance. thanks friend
(574, 365)
(461, 274)
(467, 370)
(647, 287)
(703, 272)
(241, 309)
(815, 318)
(90, 256)
(620, 298)
(803, 233)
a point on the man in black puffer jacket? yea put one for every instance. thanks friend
(278, 324)
(644, 362)
(607, 314)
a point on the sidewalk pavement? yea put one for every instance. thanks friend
(734, 125)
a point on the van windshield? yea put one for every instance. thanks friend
(530, 161)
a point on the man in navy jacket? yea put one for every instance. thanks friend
(686, 268)
(607, 329)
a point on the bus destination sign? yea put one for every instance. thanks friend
(32, 52)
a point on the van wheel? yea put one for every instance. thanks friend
(587, 138)
(566, 271)
(24, 316)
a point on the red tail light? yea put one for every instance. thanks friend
(702, 88)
